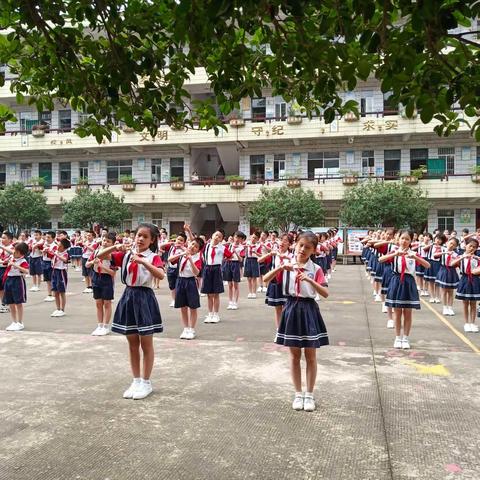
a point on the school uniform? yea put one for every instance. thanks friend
(102, 283)
(301, 324)
(252, 252)
(15, 289)
(388, 270)
(402, 291)
(137, 311)
(420, 269)
(59, 271)
(172, 269)
(213, 256)
(275, 296)
(469, 285)
(75, 251)
(231, 271)
(267, 264)
(432, 272)
(87, 249)
(35, 261)
(380, 268)
(447, 276)
(186, 290)
(47, 254)
(4, 259)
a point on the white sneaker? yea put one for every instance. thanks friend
(184, 334)
(473, 328)
(264, 289)
(77, 269)
(55, 313)
(172, 303)
(378, 298)
(229, 306)
(437, 300)
(12, 327)
(215, 318)
(309, 403)
(34, 289)
(203, 294)
(398, 342)
(21, 326)
(234, 306)
(4, 309)
(253, 295)
(208, 318)
(446, 310)
(390, 324)
(192, 334)
(384, 309)
(48, 298)
(467, 328)
(452, 313)
(128, 393)
(298, 402)
(432, 300)
(60, 313)
(104, 330)
(95, 333)
(259, 290)
(405, 343)
(143, 390)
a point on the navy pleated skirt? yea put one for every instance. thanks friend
(231, 271)
(379, 272)
(419, 270)
(186, 293)
(301, 324)
(212, 279)
(274, 296)
(447, 277)
(432, 272)
(251, 269)
(137, 312)
(402, 294)
(468, 288)
(386, 278)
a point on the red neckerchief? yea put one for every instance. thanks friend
(212, 255)
(297, 280)
(184, 264)
(468, 270)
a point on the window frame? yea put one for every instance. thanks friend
(178, 175)
(257, 164)
(448, 154)
(122, 167)
(154, 170)
(62, 170)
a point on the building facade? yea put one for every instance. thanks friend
(182, 175)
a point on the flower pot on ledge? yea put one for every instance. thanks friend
(128, 187)
(476, 177)
(38, 133)
(38, 188)
(81, 187)
(237, 184)
(237, 122)
(294, 119)
(350, 117)
(294, 182)
(126, 129)
(410, 180)
(350, 180)
(177, 185)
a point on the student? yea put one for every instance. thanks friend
(36, 267)
(402, 293)
(187, 297)
(212, 282)
(103, 274)
(89, 245)
(431, 273)
(15, 290)
(447, 277)
(48, 246)
(5, 256)
(59, 256)
(468, 290)
(137, 315)
(232, 269)
(253, 250)
(301, 325)
(76, 250)
(174, 249)
(264, 267)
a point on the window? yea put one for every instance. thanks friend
(446, 220)
(389, 106)
(46, 119)
(418, 158)
(25, 173)
(368, 162)
(321, 164)
(279, 166)
(82, 118)
(157, 218)
(156, 169)
(392, 163)
(259, 110)
(257, 167)
(117, 168)
(448, 154)
(65, 173)
(3, 173)
(280, 110)
(366, 104)
(176, 168)
(65, 120)
(83, 170)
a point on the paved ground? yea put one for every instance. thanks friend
(222, 404)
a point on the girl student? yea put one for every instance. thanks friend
(36, 268)
(253, 250)
(48, 246)
(382, 247)
(447, 277)
(275, 297)
(76, 250)
(402, 293)
(174, 249)
(417, 246)
(301, 324)
(137, 315)
(103, 275)
(15, 290)
(6, 246)
(187, 298)
(265, 247)
(59, 257)
(431, 273)
(232, 269)
(468, 290)
(89, 245)
(212, 282)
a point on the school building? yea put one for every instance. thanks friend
(185, 175)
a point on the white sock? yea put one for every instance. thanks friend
(309, 394)
(299, 394)
(147, 382)
(137, 380)
(405, 337)
(100, 325)
(398, 337)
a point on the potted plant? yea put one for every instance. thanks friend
(236, 120)
(177, 183)
(350, 177)
(38, 184)
(351, 117)
(127, 182)
(237, 182)
(293, 181)
(39, 130)
(128, 129)
(476, 174)
(82, 184)
(294, 115)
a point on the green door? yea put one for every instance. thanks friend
(436, 167)
(45, 171)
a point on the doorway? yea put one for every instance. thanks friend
(45, 172)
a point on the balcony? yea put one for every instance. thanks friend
(330, 189)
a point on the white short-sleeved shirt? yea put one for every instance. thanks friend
(403, 264)
(133, 274)
(185, 268)
(48, 250)
(12, 271)
(214, 254)
(297, 288)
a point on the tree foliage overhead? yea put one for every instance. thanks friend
(125, 59)
(20, 208)
(390, 204)
(286, 208)
(88, 208)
